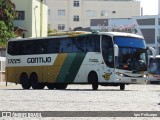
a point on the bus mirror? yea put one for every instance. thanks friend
(116, 49)
(153, 52)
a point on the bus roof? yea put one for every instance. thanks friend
(77, 33)
(121, 34)
(56, 35)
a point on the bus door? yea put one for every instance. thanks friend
(107, 65)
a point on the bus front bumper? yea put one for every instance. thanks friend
(131, 80)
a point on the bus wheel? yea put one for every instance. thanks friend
(41, 85)
(51, 86)
(93, 79)
(61, 86)
(122, 86)
(34, 81)
(25, 82)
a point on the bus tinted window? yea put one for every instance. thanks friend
(13, 48)
(79, 44)
(55, 45)
(26, 47)
(65, 45)
(93, 44)
(130, 42)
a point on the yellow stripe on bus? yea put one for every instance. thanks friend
(54, 70)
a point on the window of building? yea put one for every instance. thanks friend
(76, 3)
(21, 15)
(104, 13)
(113, 12)
(75, 18)
(49, 12)
(61, 12)
(61, 26)
(90, 13)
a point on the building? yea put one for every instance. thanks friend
(149, 27)
(32, 18)
(67, 15)
(114, 24)
(2, 69)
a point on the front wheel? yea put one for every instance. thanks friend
(93, 79)
(122, 86)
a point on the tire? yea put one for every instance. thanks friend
(41, 86)
(93, 79)
(51, 86)
(60, 86)
(25, 82)
(34, 81)
(122, 86)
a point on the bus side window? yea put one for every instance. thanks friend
(79, 44)
(93, 44)
(38, 46)
(97, 43)
(10, 48)
(66, 45)
(90, 44)
(53, 45)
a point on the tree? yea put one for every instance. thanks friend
(7, 15)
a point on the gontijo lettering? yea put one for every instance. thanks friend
(39, 60)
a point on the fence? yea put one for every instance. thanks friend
(2, 69)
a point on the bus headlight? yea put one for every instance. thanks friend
(120, 74)
(144, 76)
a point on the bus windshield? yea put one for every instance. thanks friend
(154, 66)
(132, 53)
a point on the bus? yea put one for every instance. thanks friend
(154, 70)
(96, 58)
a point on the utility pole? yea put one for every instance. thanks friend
(41, 16)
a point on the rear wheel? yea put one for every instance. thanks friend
(51, 85)
(61, 86)
(41, 85)
(25, 82)
(93, 79)
(34, 82)
(122, 86)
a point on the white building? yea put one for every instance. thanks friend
(149, 27)
(31, 18)
(2, 69)
(69, 14)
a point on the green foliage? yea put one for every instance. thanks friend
(7, 14)
(51, 31)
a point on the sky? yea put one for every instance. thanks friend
(150, 7)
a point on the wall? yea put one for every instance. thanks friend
(31, 23)
(132, 8)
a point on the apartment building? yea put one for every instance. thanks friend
(32, 18)
(68, 14)
(149, 27)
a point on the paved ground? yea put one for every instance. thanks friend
(81, 98)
